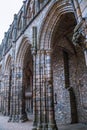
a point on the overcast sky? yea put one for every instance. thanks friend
(7, 10)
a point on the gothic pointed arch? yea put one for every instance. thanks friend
(24, 45)
(52, 18)
(7, 84)
(8, 63)
(24, 69)
(30, 11)
(20, 23)
(56, 35)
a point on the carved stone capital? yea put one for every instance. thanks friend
(80, 34)
(34, 51)
(49, 51)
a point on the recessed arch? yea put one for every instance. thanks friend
(8, 63)
(24, 45)
(52, 18)
(24, 64)
(61, 56)
(19, 22)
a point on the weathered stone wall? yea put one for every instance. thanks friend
(81, 87)
(77, 78)
(62, 106)
(77, 68)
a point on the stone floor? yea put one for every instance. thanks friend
(74, 127)
(4, 125)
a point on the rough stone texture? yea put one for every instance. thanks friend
(54, 22)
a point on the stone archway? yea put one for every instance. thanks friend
(7, 85)
(28, 82)
(56, 41)
(24, 80)
(64, 63)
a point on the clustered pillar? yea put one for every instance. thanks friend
(43, 102)
(43, 99)
(51, 117)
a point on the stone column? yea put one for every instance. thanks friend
(3, 71)
(17, 93)
(4, 96)
(11, 97)
(13, 88)
(51, 121)
(24, 15)
(7, 92)
(34, 91)
(13, 68)
(39, 89)
(36, 6)
(23, 115)
(78, 10)
(34, 52)
(44, 91)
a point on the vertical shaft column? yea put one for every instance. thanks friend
(34, 93)
(18, 92)
(3, 71)
(23, 115)
(13, 85)
(43, 95)
(78, 10)
(51, 122)
(39, 87)
(24, 15)
(34, 52)
(7, 93)
(5, 100)
(11, 118)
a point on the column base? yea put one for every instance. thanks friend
(10, 118)
(52, 127)
(17, 118)
(34, 126)
(45, 126)
(4, 113)
(39, 127)
(23, 118)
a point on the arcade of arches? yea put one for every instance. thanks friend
(43, 77)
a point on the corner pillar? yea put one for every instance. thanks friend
(7, 94)
(51, 117)
(20, 95)
(34, 90)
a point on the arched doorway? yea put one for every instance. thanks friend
(27, 83)
(56, 37)
(7, 85)
(24, 80)
(64, 69)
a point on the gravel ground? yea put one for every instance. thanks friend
(4, 125)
